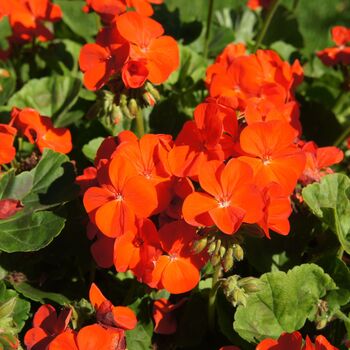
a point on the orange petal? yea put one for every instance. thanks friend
(124, 317)
(96, 297)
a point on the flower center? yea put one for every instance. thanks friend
(119, 197)
(224, 204)
(266, 160)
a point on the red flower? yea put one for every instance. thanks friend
(160, 53)
(163, 314)
(40, 130)
(108, 314)
(272, 153)
(177, 272)
(105, 58)
(46, 326)
(27, 17)
(91, 337)
(121, 197)
(7, 137)
(143, 6)
(230, 198)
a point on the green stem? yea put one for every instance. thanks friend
(267, 22)
(6, 167)
(339, 314)
(212, 298)
(140, 127)
(207, 31)
(342, 137)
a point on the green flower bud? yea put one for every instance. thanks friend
(200, 245)
(238, 252)
(228, 260)
(212, 247)
(133, 107)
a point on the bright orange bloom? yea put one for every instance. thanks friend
(90, 338)
(108, 314)
(46, 326)
(164, 315)
(318, 161)
(230, 198)
(272, 153)
(255, 4)
(293, 341)
(7, 137)
(121, 198)
(143, 7)
(202, 140)
(105, 58)
(108, 10)
(148, 44)
(87, 179)
(40, 130)
(27, 17)
(321, 343)
(177, 272)
(339, 54)
(135, 251)
(277, 210)
(149, 157)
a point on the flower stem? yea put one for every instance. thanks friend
(267, 22)
(207, 31)
(140, 127)
(212, 298)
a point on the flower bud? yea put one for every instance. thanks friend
(250, 284)
(228, 260)
(212, 247)
(133, 107)
(238, 252)
(200, 245)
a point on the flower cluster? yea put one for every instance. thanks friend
(52, 332)
(37, 129)
(130, 47)
(236, 163)
(27, 19)
(340, 54)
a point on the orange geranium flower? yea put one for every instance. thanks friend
(340, 54)
(177, 272)
(108, 10)
(159, 53)
(164, 316)
(7, 137)
(108, 314)
(90, 338)
(318, 161)
(149, 157)
(272, 153)
(277, 210)
(27, 17)
(202, 140)
(144, 7)
(101, 60)
(294, 341)
(131, 249)
(46, 326)
(120, 198)
(230, 197)
(40, 130)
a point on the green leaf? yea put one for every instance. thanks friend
(91, 148)
(27, 231)
(340, 273)
(140, 338)
(330, 201)
(51, 96)
(38, 295)
(49, 185)
(83, 24)
(7, 81)
(19, 312)
(284, 303)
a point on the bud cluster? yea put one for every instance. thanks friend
(237, 289)
(222, 249)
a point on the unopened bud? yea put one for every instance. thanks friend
(133, 107)
(239, 297)
(215, 259)
(228, 261)
(222, 251)
(116, 115)
(250, 284)
(238, 252)
(153, 91)
(200, 245)
(322, 323)
(149, 99)
(212, 247)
